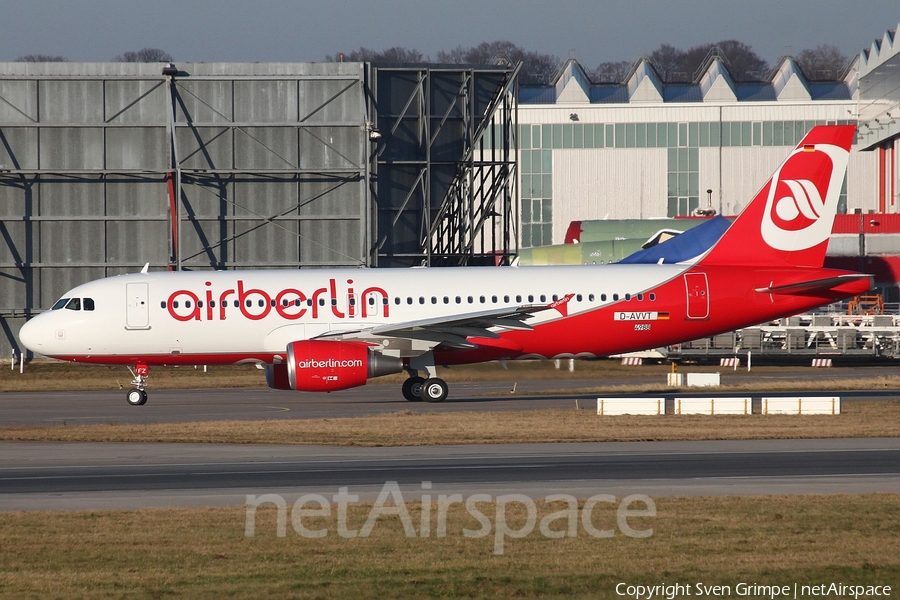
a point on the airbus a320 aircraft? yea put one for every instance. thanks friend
(326, 330)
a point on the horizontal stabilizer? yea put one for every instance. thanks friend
(814, 285)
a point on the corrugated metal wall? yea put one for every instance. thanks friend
(271, 161)
(595, 183)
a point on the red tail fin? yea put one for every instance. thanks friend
(790, 219)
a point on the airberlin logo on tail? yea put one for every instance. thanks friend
(803, 196)
(801, 208)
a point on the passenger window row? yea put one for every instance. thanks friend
(261, 303)
(518, 299)
(398, 300)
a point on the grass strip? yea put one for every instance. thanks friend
(411, 428)
(611, 376)
(203, 553)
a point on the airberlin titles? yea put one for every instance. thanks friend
(289, 303)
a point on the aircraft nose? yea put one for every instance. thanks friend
(30, 335)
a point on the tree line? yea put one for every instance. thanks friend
(145, 55)
(673, 65)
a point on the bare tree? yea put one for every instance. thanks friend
(673, 64)
(485, 53)
(391, 55)
(667, 60)
(41, 58)
(694, 57)
(456, 56)
(610, 72)
(145, 55)
(824, 62)
(537, 68)
(744, 63)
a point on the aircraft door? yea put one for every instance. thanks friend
(697, 289)
(137, 309)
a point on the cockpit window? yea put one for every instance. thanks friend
(74, 304)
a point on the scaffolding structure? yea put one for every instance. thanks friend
(444, 169)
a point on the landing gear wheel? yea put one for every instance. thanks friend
(434, 390)
(136, 397)
(412, 389)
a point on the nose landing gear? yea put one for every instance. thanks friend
(137, 396)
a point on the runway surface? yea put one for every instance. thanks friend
(170, 406)
(76, 476)
(79, 476)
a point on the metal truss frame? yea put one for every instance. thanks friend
(461, 209)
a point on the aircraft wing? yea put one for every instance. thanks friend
(452, 330)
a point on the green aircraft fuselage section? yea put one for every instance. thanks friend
(604, 241)
(596, 253)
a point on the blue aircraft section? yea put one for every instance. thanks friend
(690, 244)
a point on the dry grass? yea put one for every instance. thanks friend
(46, 376)
(49, 375)
(409, 428)
(202, 553)
(800, 385)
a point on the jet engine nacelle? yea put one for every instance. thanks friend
(327, 366)
(277, 377)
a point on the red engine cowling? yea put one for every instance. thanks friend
(277, 377)
(326, 366)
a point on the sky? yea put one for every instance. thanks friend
(592, 31)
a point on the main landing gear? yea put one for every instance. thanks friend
(433, 389)
(412, 388)
(416, 389)
(137, 396)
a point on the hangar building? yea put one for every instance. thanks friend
(644, 149)
(105, 167)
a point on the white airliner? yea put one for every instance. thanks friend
(325, 330)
